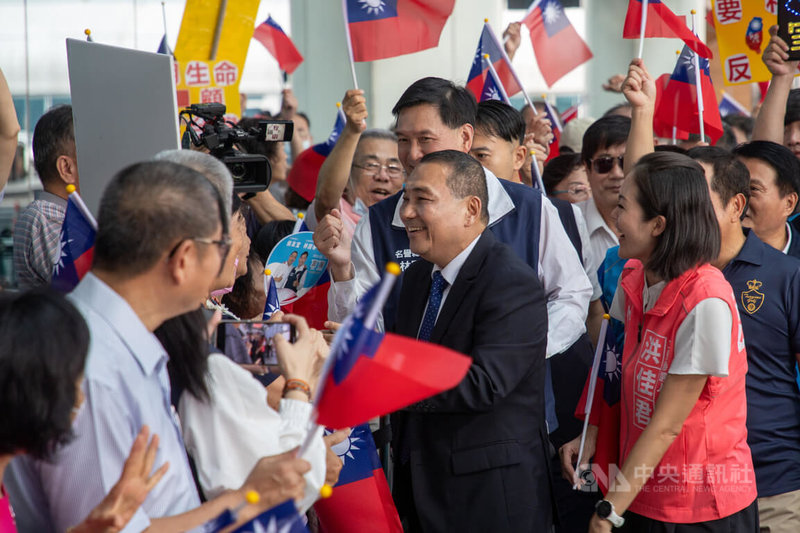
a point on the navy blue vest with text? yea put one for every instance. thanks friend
(567, 216)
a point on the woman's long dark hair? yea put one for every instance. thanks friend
(674, 186)
(185, 339)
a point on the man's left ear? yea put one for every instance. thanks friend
(659, 226)
(473, 214)
(520, 155)
(466, 134)
(790, 203)
(178, 262)
(67, 169)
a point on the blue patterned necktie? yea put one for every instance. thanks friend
(434, 302)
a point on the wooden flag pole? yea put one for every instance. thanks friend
(349, 44)
(699, 86)
(641, 31)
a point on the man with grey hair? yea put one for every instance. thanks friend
(162, 239)
(209, 166)
(361, 170)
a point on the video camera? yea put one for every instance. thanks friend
(251, 172)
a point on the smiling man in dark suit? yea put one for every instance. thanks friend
(472, 458)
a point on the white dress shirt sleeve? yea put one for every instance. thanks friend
(227, 435)
(564, 281)
(590, 263)
(343, 295)
(703, 340)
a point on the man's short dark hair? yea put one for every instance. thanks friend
(730, 175)
(779, 158)
(615, 110)
(792, 107)
(674, 186)
(498, 119)
(304, 254)
(53, 136)
(43, 345)
(456, 104)
(742, 122)
(559, 168)
(604, 133)
(466, 177)
(147, 208)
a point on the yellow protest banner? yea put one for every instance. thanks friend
(211, 50)
(742, 34)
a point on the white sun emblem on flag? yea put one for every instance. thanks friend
(272, 526)
(613, 368)
(62, 252)
(492, 94)
(345, 448)
(373, 7)
(551, 13)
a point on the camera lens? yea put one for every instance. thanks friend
(238, 171)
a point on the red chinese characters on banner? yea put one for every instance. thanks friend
(176, 72)
(737, 69)
(211, 95)
(771, 6)
(728, 11)
(197, 74)
(649, 375)
(225, 73)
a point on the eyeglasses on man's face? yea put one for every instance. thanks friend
(223, 246)
(370, 168)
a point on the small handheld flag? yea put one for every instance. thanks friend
(551, 35)
(493, 87)
(651, 18)
(282, 518)
(77, 243)
(730, 106)
(552, 116)
(229, 516)
(488, 45)
(88, 34)
(369, 374)
(273, 38)
(273, 303)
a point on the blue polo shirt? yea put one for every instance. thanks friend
(766, 287)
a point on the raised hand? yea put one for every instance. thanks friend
(776, 56)
(354, 107)
(639, 87)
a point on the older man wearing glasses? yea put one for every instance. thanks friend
(361, 170)
(602, 152)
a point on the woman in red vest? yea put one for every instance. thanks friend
(685, 463)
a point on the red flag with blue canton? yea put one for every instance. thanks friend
(361, 500)
(678, 104)
(271, 35)
(77, 247)
(282, 518)
(389, 28)
(557, 46)
(606, 406)
(660, 127)
(493, 90)
(555, 123)
(661, 22)
(371, 374)
(479, 71)
(730, 106)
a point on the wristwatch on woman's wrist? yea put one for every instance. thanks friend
(605, 510)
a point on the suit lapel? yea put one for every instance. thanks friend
(463, 284)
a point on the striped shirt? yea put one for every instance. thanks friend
(37, 239)
(126, 386)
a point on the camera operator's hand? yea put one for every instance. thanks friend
(302, 359)
(288, 104)
(278, 478)
(354, 107)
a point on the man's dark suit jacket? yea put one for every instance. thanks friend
(478, 459)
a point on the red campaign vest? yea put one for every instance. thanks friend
(707, 472)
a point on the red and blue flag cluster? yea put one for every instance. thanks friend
(479, 72)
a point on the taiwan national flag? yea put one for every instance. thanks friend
(361, 500)
(303, 175)
(557, 46)
(282, 518)
(488, 44)
(77, 244)
(570, 114)
(661, 22)
(493, 90)
(370, 374)
(678, 104)
(663, 125)
(552, 116)
(272, 304)
(388, 28)
(730, 106)
(274, 39)
(605, 412)
(163, 47)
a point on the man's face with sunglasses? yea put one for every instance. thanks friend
(605, 176)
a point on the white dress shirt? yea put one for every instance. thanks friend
(560, 272)
(601, 238)
(590, 264)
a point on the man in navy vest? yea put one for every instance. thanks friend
(434, 114)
